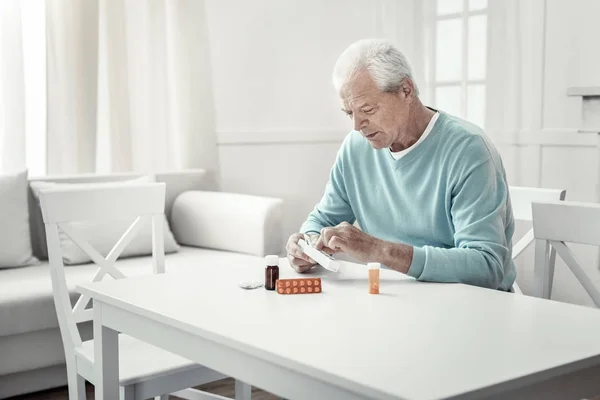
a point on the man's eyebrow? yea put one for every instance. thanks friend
(346, 111)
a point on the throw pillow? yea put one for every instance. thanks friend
(15, 240)
(103, 235)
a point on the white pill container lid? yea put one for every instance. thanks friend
(272, 260)
(373, 265)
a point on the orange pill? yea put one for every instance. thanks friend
(310, 290)
(295, 290)
(309, 283)
(302, 290)
(288, 290)
(317, 290)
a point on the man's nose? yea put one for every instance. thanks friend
(359, 123)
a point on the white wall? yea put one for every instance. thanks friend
(278, 118)
(547, 151)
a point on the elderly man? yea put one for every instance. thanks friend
(427, 189)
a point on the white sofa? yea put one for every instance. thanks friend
(212, 228)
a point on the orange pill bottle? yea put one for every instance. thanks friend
(373, 277)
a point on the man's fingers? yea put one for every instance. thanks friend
(298, 258)
(320, 246)
(329, 250)
(337, 243)
(326, 242)
(304, 268)
(294, 249)
(298, 262)
(298, 253)
(301, 265)
(315, 239)
(326, 233)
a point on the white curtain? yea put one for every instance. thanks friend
(72, 59)
(12, 88)
(129, 86)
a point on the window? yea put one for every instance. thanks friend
(458, 74)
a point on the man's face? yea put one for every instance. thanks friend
(379, 116)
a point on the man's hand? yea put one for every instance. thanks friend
(298, 260)
(351, 240)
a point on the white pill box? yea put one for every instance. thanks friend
(324, 259)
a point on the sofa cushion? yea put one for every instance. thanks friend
(32, 381)
(177, 182)
(26, 302)
(103, 235)
(33, 350)
(15, 240)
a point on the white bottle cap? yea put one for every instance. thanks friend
(272, 260)
(373, 265)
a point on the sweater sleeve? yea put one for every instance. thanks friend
(479, 217)
(334, 207)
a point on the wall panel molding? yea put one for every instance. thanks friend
(545, 137)
(523, 137)
(254, 137)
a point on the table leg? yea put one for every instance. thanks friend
(106, 358)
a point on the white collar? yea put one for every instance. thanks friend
(399, 154)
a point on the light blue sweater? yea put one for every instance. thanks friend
(448, 197)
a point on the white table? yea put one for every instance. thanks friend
(413, 341)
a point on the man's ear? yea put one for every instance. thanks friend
(407, 90)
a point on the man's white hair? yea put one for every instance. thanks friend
(386, 65)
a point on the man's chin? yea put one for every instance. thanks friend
(376, 144)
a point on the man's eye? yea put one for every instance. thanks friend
(368, 110)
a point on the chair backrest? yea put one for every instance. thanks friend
(61, 207)
(521, 200)
(555, 223)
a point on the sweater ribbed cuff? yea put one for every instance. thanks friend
(418, 262)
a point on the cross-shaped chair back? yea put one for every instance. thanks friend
(62, 207)
(521, 200)
(555, 223)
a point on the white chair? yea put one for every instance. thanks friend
(145, 371)
(555, 223)
(521, 200)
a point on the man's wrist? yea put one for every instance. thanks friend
(397, 256)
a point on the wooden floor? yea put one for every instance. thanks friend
(223, 387)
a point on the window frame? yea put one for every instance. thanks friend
(464, 82)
